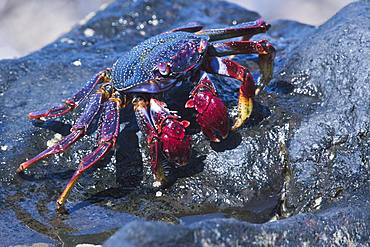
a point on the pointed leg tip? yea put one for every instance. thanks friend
(238, 123)
(36, 116)
(184, 163)
(235, 127)
(189, 103)
(60, 204)
(211, 135)
(215, 139)
(60, 208)
(21, 168)
(32, 116)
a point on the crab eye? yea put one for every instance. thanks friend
(164, 68)
(202, 46)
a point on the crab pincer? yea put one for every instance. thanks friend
(212, 113)
(165, 135)
(175, 143)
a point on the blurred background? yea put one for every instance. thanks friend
(27, 25)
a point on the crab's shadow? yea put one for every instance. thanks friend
(232, 141)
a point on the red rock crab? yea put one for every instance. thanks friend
(186, 54)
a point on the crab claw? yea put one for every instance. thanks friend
(171, 131)
(212, 113)
(175, 143)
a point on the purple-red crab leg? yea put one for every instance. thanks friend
(212, 113)
(247, 30)
(78, 130)
(73, 102)
(247, 89)
(109, 131)
(148, 129)
(263, 48)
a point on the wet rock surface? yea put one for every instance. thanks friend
(328, 153)
(304, 153)
(342, 224)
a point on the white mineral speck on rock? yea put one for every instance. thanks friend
(274, 218)
(155, 22)
(57, 137)
(158, 194)
(66, 41)
(88, 32)
(156, 184)
(331, 156)
(317, 203)
(4, 148)
(77, 63)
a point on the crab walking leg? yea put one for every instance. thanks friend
(266, 54)
(191, 27)
(246, 29)
(247, 88)
(73, 102)
(108, 135)
(78, 130)
(212, 113)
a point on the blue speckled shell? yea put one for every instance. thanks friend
(134, 71)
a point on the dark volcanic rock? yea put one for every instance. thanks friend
(329, 152)
(147, 234)
(305, 147)
(344, 224)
